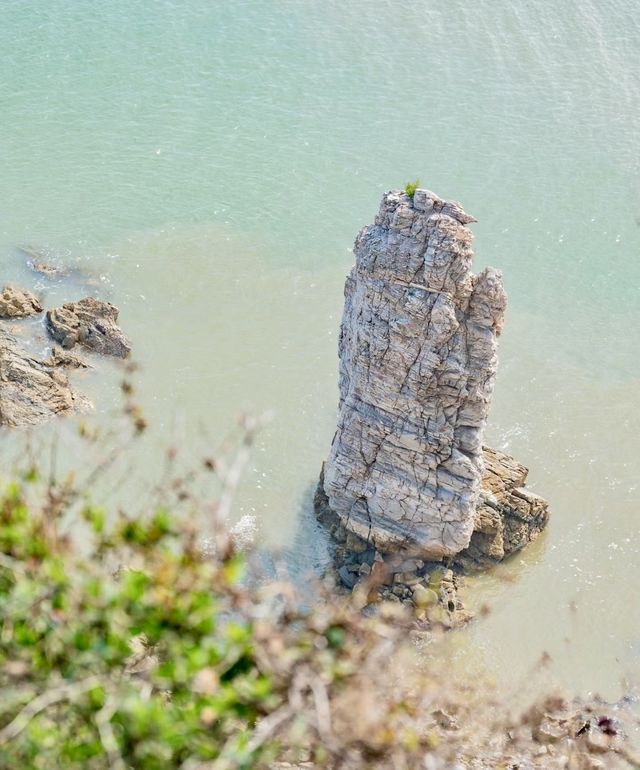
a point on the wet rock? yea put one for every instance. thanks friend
(30, 391)
(60, 357)
(43, 261)
(355, 544)
(347, 577)
(90, 323)
(406, 578)
(18, 303)
(50, 264)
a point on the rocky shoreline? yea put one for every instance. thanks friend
(35, 389)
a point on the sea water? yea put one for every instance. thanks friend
(209, 163)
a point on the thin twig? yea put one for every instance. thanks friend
(628, 756)
(268, 726)
(107, 736)
(234, 473)
(265, 729)
(323, 709)
(43, 701)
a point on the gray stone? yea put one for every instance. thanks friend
(90, 323)
(424, 597)
(418, 356)
(347, 577)
(30, 391)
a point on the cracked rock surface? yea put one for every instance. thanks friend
(417, 350)
(18, 303)
(30, 391)
(508, 516)
(90, 323)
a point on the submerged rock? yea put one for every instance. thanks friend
(43, 261)
(18, 303)
(407, 471)
(58, 266)
(30, 391)
(59, 357)
(90, 323)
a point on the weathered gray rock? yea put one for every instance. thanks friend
(90, 323)
(30, 391)
(417, 351)
(508, 516)
(18, 303)
(417, 362)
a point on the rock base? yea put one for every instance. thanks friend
(508, 517)
(426, 588)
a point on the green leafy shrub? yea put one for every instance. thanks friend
(127, 642)
(125, 646)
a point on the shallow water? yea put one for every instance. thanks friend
(210, 164)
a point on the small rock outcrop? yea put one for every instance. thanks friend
(18, 303)
(30, 391)
(508, 516)
(90, 323)
(407, 471)
(63, 358)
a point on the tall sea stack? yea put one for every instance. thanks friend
(418, 356)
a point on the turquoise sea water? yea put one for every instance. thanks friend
(211, 163)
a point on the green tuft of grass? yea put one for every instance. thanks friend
(411, 187)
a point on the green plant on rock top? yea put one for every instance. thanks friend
(411, 187)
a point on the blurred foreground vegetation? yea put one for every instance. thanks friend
(134, 643)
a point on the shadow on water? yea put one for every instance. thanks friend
(309, 554)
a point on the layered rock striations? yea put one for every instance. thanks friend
(418, 359)
(30, 391)
(508, 516)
